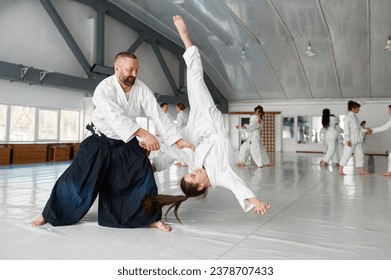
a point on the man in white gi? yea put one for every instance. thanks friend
(384, 127)
(211, 163)
(111, 162)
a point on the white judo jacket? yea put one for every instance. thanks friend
(352, 129)
(206, 130)
(115, 116)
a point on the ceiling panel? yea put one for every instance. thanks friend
(347, 37)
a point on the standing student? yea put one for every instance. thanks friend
(254, 145)
(111, 162)
(329, 122)
(212, 161)
(384, 127)
(164, 107)
(182, 117)
(353, 139)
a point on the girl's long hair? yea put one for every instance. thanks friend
(326, 118)
(155, 203)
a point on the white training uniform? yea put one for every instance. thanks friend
(353, 133)
(207, 132)
(330, 138)
(181, 120)
(115, 116)
(384, 127)
(255, 147)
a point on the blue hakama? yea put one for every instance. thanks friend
(119, 172)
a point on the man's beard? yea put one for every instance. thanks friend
(129, 81)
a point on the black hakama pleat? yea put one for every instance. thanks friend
(119, 172)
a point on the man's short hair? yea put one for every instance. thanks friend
(125, 54)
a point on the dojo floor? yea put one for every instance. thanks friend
(316, 215)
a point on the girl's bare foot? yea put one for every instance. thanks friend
(182, 30)
(269, 164)
(160, 225)
(387, 174)
(341, 171)
(38, 221)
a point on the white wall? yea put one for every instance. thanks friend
(375, 112)
(30, 38)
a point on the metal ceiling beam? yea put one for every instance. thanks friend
(137, 43)
(294, 44)
(100, 35)
(150, 36)
(16, 73)
(369, 46)
(262, 51)
(59, 23)
(166, 70)
(331, 47)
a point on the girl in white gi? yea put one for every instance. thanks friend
(353, 139)
(182, 117)
(384, 127)
(254, 146)
(330, 136)
(213, 156)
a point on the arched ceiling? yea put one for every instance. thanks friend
(347, 37)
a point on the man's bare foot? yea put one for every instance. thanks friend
(387, 174)
(160, 225)
(38, 221)
(337, 164)
(182, 30)
(268, 164)
(341, 171)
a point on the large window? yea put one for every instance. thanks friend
(47, 125)
(30, 124)
(22, 123)
(3, 122)
(69, 125)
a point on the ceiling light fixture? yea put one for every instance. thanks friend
(178, 2)
(388, 45)
(309, 51)
(243, 54)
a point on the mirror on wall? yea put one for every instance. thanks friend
(243, 134)
(317, 136)
(303, 129)
(288, 127)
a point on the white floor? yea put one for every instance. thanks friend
(315, 214)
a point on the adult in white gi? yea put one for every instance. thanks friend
(110, 162)
(211, 163)
(164, 107)
(330, 136)
(385, 127)
(182, 117)
(254, 145)
(353, 139)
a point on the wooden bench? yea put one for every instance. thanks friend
(59, 152)
(5, 154)
(28, 153)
